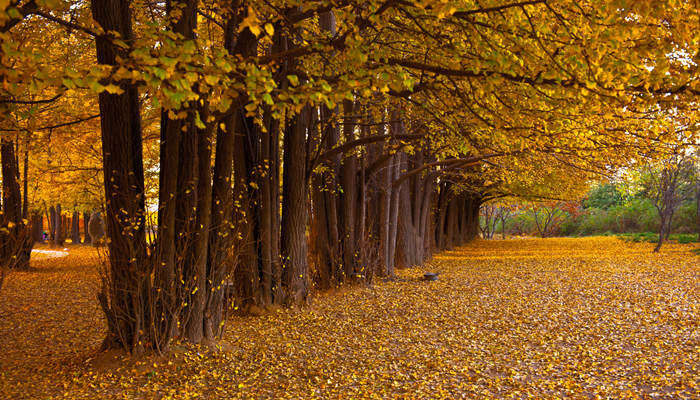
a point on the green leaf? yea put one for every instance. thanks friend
(293, 79)
(114, 89)
(267, 99)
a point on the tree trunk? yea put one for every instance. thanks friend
(393, 217)
(294, 210)
(11, 196)
(75, 228)
(15, 240)
(25, 181)
(52, 222)
(349, 194)
(697, 201)
(178, 177)
(86, 220)
(58, 227)
(325, 224)
(441, 215)
(196, 273)
(386, 178)
(406, 230)
(220, 261)
(122, 297)
(472, 209)
(37, 227)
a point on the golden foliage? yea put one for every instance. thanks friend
(530, 318)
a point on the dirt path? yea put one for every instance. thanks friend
(50, 253)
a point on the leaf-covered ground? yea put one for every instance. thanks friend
(573, 318)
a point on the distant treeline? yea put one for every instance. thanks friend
(605, 210)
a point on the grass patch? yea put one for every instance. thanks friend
(651, 237)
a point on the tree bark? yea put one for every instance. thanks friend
(51, 216)
(58, 227)
(697, 201)
(122, 297)
(16, 242)
(86, 219)
(348, 180)
(75, 228)
(294, 210)
(37, 227)
(220, 260)
(196, 273)
(178, 192)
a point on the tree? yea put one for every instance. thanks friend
(547, 217)
(665, 181)
(489, 218)
(603, 196)
(16, 241)
(347, 125)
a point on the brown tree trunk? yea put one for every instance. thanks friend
(15, 240)
(196, 272)
(348, 179)
(178, 197)
(697, 201)
(386, 178)
(25, 181)
(11, 195)
(75, 228)
(58, 228)
(393, 217)
(247, 274)
(122, 296)
(268, 207)
(325, 194)
(37, 227)
(473, 204)
(406, 233)
(221, 256)
(294, 210)
(220, 260)
(274, 210)
(86, 219)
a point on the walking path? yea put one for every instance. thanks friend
(50, 253)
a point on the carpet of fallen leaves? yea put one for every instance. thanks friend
(531, 318)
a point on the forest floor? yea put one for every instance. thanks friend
(526, 318)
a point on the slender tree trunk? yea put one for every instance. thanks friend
(25, 181)
(274, 208)
(349, 194)
(393, 217)
(58, 227)
(86, 220)
(386, 178)
(196, 273)
(247, 274)
(179, 252)
(52, 222)
(697, 201)
(662, 233)
(220, 260)
(267, 210)
(75, 228)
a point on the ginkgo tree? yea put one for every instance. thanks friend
(380, 125)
